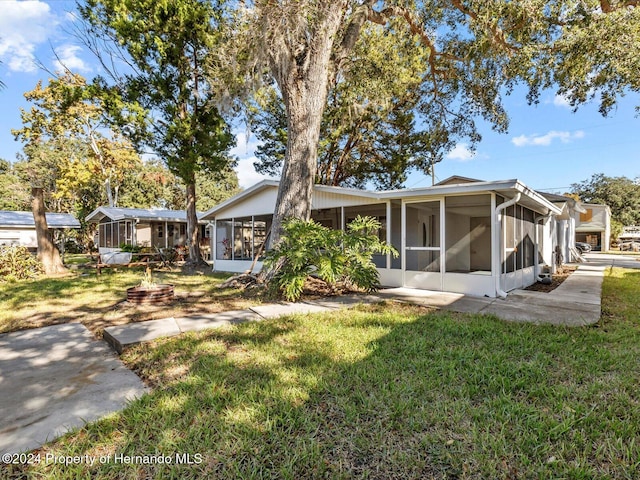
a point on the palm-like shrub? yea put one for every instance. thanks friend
(308, 248)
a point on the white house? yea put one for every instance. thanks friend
(18, 228)
(461, 235)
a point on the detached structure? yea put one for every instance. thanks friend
(141, 227)
(461, 235)
(593, 226)
(18, 228)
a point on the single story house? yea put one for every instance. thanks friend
(461, 235)
(593, 226)
(141, 227)
(19, 228)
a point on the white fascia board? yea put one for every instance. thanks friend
(450, 189)
(536, 197)
(96, 215)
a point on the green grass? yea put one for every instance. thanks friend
(382, 392)
(97, 300)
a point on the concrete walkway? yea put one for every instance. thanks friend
(56, 378)
(575, 302)
(130, 334)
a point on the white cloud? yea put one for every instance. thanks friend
(561, 101)
(245, 151)
(23, 26)
(461, 153)
(68, 59)
(247, 175)
(546, 140)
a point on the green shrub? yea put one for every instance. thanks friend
(16, 263)
(126, 247)
(308, 248)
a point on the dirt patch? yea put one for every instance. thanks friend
(560, 276)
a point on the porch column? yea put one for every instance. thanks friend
(214, 243)
(253, 242)
(403, 239)
(166, 236)
(342, 218)
(134, 232)
(495, 240)
(388, 239)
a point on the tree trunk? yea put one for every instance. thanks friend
(193, 230)
(304, 82)
(48, 254)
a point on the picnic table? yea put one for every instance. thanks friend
(146, 259)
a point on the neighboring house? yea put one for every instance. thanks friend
(18, 228)
(461, 235)
(564, 227)
(593, 226)
(141, 227)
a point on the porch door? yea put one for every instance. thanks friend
(422, 255)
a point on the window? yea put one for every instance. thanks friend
(587, 216)
(223, 238)
(160, 231)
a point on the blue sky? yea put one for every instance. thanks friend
(548, 146)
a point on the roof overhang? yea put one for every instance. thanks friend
(506, 188)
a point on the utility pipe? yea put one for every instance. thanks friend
(499, 291)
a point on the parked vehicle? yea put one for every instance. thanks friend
(583, 247)
(631, 246)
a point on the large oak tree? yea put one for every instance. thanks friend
(478, 49)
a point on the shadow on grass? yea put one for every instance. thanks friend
(378, 393)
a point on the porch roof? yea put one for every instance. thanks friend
(13, 219)
(140, 214)
(506, 188)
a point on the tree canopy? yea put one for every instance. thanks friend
(167, 46)
(376, 126)
(70, 142)
(476, 51)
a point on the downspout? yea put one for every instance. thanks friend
(536, 262)
(499, 291)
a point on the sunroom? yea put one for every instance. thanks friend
(465, 236)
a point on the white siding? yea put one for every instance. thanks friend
(262, 203)
(14, 236)
(332, 200)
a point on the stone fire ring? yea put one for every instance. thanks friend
(157, 294)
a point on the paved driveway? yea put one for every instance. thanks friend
(56, 378)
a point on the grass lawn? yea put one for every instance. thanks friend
(100, 301)
(380, 392)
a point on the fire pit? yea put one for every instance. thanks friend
(155, 294)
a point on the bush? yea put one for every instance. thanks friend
(16, 263)
(127, 247)
(308, 248)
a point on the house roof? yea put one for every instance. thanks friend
(570, 203)
(506, 188)
(456, 179)
(148, 214)
(14, 219)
